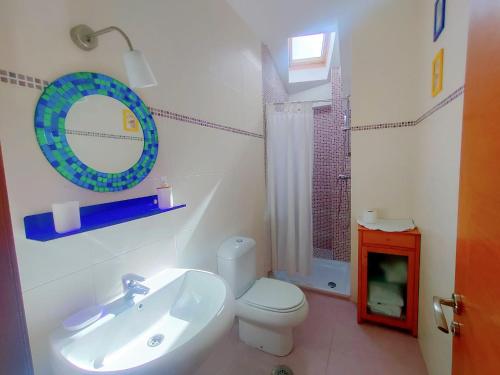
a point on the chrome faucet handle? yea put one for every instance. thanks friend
(131, 278)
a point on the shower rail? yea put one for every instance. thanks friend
(305, 101)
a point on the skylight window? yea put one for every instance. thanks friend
(310, 57)
(307, 47)
(308, 51)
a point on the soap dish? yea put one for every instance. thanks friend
(83, 318)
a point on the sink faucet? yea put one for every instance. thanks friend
(132, 286)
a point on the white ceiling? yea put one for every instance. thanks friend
(274, 21)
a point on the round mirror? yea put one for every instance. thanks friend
(96, 132)
(104, 134)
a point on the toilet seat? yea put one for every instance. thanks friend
(274, 295)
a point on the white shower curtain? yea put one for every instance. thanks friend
(289, 186)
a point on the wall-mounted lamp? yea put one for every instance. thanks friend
(138, 71)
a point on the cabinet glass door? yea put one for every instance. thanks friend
(387, 285)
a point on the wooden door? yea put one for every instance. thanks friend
(477, 349)
(15, 357)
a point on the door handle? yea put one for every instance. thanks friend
(437, 302)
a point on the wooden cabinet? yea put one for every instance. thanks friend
(392, 261)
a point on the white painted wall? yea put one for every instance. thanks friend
(385, 67)
(316, 93)
(384, 74)
(208, 66)
(436, 174)
(411, 171)
(381, 172)
(345, 58)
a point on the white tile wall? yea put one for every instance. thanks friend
(47, 305)
(208, 65)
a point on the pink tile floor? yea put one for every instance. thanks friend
(329, 342)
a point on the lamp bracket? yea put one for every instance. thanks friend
(81, 35)
(86, 38)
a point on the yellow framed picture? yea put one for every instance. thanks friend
(130, 123)
(437, 72)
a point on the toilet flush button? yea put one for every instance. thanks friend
(239, 240)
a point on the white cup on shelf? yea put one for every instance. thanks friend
(165, 197)
(66, 216)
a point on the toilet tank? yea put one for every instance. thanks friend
(236, 263)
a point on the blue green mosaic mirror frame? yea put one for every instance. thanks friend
(50, 114)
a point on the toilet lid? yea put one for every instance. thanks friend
(276, 295)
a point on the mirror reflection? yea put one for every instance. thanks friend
(104, 134)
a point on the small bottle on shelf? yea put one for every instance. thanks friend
(165, 196)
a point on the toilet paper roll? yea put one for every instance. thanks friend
(370, 216)
(66, 216)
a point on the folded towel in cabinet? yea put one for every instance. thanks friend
(381, 292)
(395, 270)
(383, 309)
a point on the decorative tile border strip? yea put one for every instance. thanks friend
(103, 135)
(403, 124)
(192, 120)
(24, 80)
(455, 94)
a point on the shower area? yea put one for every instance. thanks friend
(331, 187)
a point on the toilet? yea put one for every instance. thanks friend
(267, 309)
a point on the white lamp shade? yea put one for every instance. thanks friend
(138, 71)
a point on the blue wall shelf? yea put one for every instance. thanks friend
(40, 227)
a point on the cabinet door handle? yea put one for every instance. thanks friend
(437, 302)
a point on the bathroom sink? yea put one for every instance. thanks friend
(168, 331)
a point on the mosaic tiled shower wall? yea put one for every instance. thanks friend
(331, 194)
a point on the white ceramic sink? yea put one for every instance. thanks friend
(187, 311)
